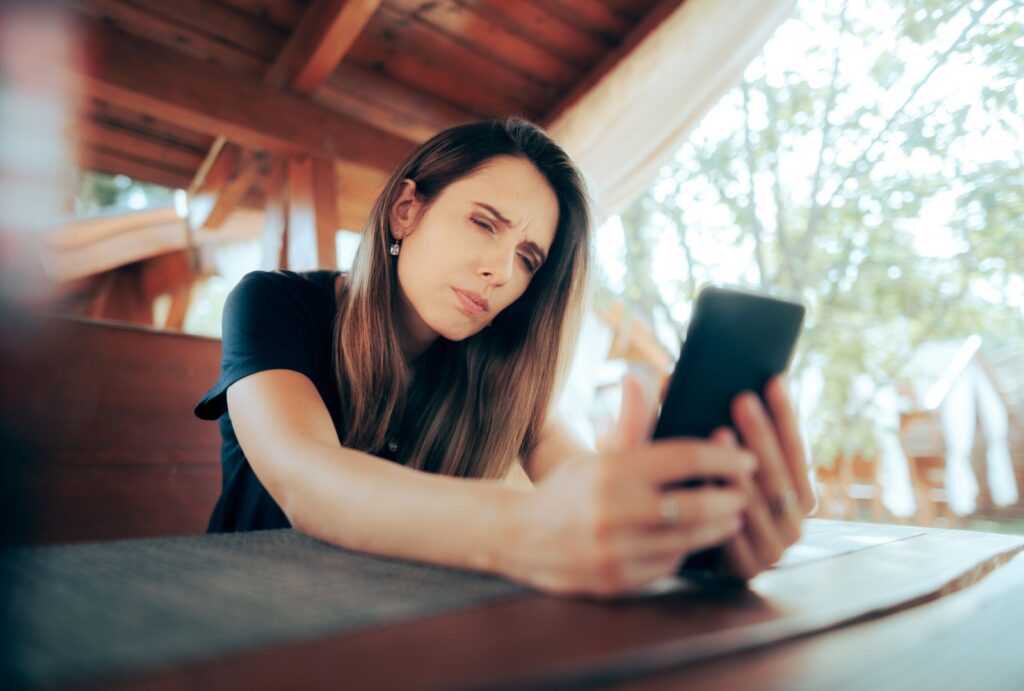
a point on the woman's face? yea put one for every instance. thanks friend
(473, 251)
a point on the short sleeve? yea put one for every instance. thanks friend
(267, 324)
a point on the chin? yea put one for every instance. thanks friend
(459, 332)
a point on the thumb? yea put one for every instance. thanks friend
(639, 406)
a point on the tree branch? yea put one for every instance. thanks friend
(756, 229)
(814, 217)
(943, 57)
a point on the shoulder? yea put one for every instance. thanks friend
(274, 299)
(280, 284)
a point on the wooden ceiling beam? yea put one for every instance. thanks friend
(136, 144)
(316, 47)
(103, 160)
(208, 98)
(398, 108)
(319, 43)
(651, 21)
(224, 186)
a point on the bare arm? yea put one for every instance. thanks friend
(353, 499)
(593, 525)
(557, 443)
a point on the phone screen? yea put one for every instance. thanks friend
(736, 341)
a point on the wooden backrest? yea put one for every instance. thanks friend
(105, 410)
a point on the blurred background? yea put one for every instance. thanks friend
(868, 161)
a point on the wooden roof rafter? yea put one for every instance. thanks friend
(209, 98)
(317, 45)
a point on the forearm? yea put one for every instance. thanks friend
(361, 502)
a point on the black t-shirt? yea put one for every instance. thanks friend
(272, 320)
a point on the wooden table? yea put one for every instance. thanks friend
(851, 606)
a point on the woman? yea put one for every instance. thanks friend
(442, 353)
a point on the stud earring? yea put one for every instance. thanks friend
(394, 248)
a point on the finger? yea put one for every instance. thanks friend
(741, 561)
(787, 422)
(688, 507)
(724, 436)
(773, 473)
(760, 529)
(677, 542)
(670, 461)
(636, 415)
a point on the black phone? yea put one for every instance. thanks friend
(736, 341)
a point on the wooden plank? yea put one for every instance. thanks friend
(188, 40)
(73, 232)
(136, 144)
(314, 50)
(201, 203)
(225, 185)
(167, 273)
(465, 23)
(378, 50)
(181, 299)
(208, 98)
(101, 110)
(651, 21)
(599, 20)
(250, 167)
(325, 207)
(633, 10)
(319, 43)
(548, 31)
(274, 237)
(114, 163)
(207, 165)
(416, 53)
(302, 228)
(100, 253)
(403, 110)
(283, 13)
(224, 24)
(109, 409)
(357, 190)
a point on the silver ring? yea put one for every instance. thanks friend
(668, 509)
(781, 505)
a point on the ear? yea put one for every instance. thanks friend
(405, 210)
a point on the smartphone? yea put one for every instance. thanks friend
(737, 340)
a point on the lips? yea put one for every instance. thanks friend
(470, 303)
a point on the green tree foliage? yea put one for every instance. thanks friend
(858, 179)
(98, 192)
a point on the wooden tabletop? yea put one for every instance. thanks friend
(850, 602)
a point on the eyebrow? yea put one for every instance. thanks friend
(529, 244)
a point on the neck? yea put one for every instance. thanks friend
(414, 335)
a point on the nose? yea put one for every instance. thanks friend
(498, 263)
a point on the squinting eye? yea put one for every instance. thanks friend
(483, 224)
(527, 263)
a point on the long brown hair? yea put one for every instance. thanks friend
(478, 404)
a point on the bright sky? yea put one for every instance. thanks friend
(959, 82)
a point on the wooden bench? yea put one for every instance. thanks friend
(104, 413)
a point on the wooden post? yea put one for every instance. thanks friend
(275, 225)
(325, 201)
(302, 231)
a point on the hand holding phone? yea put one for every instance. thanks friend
(736, 341)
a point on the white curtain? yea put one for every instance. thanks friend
(957, 416)
(994, 423)
(632, 121)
